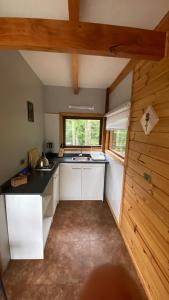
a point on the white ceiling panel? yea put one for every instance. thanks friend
(48, 9)
(99, 71)
(51, 68)
(135, 13)
(94, 71)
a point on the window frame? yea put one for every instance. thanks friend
(79, 117)
(110, 143)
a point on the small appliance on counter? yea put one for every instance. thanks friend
(47, 168)
(39, 163)
(61, 152)
(43, 161)
(49, 147)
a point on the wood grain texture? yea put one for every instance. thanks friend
(75, 68)
(84, 38)
(162, 26)
(105, 137)
(107, 100)
(145, 206)
(164, 23)
(74, 10)
(167, 45)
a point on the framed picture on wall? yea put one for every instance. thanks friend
(30, 110)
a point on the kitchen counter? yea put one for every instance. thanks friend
(68, 159)
(38, 180)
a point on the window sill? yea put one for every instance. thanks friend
(115, 156)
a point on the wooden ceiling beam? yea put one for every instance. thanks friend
(74, 11)
(162, 26)
(164, 23)
(83, 38)
(75, 68)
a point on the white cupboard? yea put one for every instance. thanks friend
(82, 181)
(29, 220)
(93, 182)
(25, 226)
(70, 182)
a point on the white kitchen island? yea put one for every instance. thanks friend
(29, 220)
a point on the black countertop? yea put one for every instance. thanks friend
(38, 180)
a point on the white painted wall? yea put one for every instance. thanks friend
(57, 99)
(122, 92)
(114, 180)
(18, 84)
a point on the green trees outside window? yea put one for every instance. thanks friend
(82, 132)
(118, 141)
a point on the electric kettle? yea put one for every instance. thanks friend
(43, 161)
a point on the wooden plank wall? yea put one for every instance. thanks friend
(145, 208)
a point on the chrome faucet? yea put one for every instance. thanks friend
(81, 154)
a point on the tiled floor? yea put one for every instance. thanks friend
(83, 235)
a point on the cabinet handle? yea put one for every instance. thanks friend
(76, 168)
(87, 168)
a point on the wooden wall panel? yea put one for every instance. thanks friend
(145, 208)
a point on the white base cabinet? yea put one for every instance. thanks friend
(82, 181)
(25, 226)
(29, 220)
(93, 182)
(70, 182)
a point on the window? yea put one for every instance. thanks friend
(82, 132)
(118, 141)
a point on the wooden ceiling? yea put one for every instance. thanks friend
(82, 38)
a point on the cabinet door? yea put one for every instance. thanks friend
(70, 182)
(93, 182)
(56, 188)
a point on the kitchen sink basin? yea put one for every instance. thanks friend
(81, 158)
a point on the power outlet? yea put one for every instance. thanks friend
(147, 177)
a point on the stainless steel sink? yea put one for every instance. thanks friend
(81, 158)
